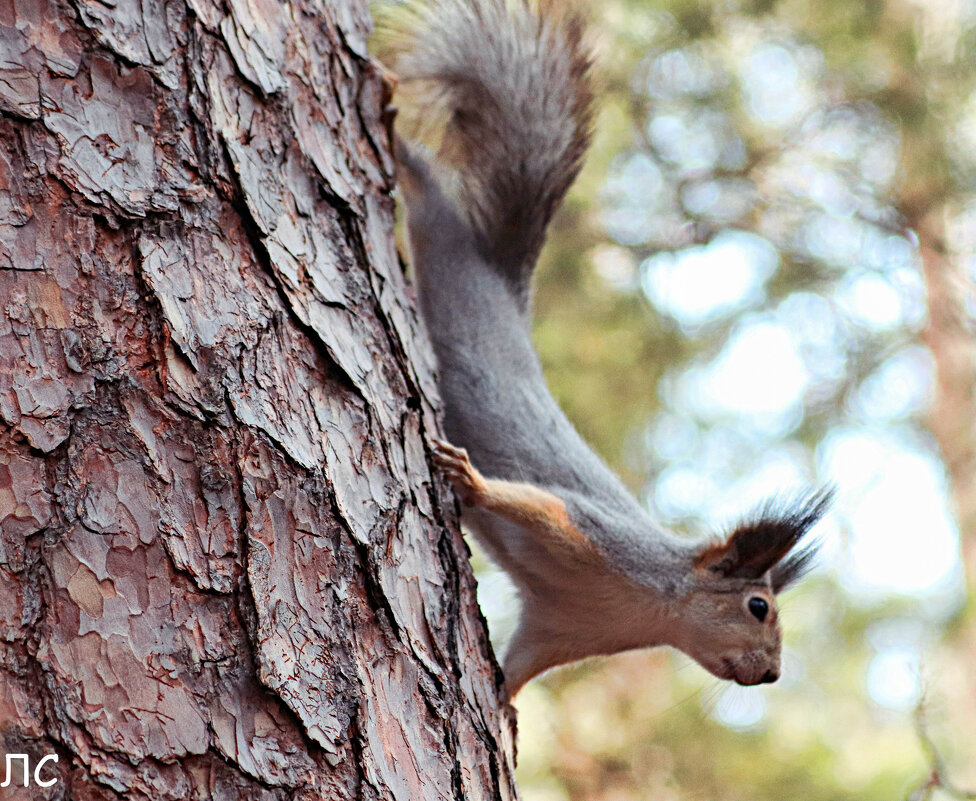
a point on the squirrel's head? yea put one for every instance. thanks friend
(729, 622)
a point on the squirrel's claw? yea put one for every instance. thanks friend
(457, 468)
(446, 451)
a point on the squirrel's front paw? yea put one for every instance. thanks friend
(457, 467)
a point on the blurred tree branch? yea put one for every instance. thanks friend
(938, 778)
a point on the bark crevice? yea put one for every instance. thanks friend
(226, 570)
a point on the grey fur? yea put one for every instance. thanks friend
(518, 102)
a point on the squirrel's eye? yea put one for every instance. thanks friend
(759, 608)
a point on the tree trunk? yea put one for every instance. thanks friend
(952, 416)
(952, 421)
(225, 568)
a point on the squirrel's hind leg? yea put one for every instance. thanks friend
(528, 654)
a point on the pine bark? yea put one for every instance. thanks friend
(226, 570)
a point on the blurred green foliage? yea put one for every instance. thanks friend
(829, 129)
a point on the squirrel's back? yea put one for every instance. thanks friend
(512, 79)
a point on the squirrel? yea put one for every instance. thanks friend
(596, 575)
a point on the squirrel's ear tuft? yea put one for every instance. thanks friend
(794, 567)
(760, 544)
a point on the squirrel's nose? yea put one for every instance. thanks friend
(769, 677)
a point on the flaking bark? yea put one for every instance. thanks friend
(225, 568)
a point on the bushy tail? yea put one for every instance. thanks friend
(511, 76)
